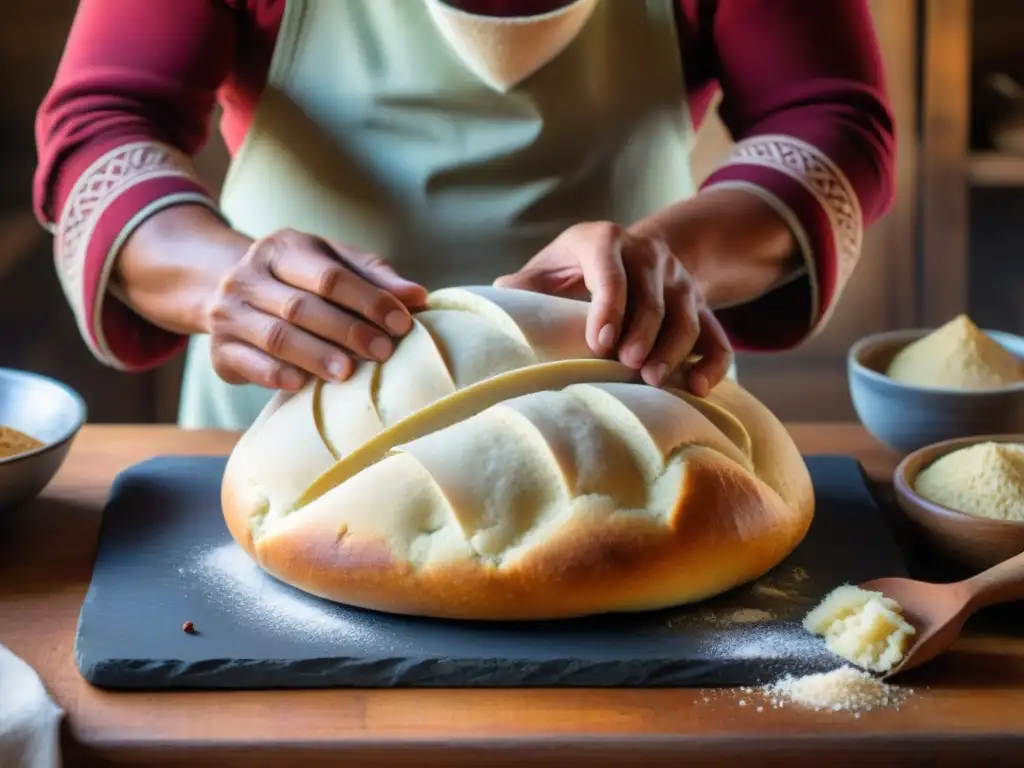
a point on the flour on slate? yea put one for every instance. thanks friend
(229, 578)
(776, 645)
(767, 641)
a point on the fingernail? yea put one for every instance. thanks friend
(397, 322)
(634, 355)
(659, 374)
(698, 384)
(291, 379)
(606, 337)
(380, 348)
(338, 369)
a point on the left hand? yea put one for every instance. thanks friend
(644, 304)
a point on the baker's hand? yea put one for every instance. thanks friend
(297, 305)
(644, 305)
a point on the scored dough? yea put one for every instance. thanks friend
(493, 468)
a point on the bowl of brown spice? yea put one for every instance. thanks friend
(39, 419)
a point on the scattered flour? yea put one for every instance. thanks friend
(785, 647)
(721, 618)
(767, 590)
(782, 585)
(746, 616)
(230, 580)
(775, 647)
(778, 597)
(846, 689)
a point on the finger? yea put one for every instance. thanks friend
(377, 271)
(605, 277)
(645, 311)
(716, 354)
(239, 363)
(319, 270)
(678, 336)
(324, 320)
(412, 295)
(290, 344)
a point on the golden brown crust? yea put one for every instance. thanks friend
(635, 498)
(728, 528)
(776, 459)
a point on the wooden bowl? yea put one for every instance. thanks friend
(975, 542)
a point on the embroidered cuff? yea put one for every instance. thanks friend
(822, 209)
(110, 199)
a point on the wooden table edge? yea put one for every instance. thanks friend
(590, 750)
(110, 740)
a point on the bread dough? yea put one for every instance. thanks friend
(959, 355)
(865, 628)
(492, 468)
(986, 480)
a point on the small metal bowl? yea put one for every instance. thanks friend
(975, 542)
(906, 417)
(47, 410)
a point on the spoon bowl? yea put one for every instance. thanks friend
(938, 612)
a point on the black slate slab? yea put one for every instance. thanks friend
(165, 557)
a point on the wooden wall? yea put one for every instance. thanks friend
(807, 384)
(972, 193)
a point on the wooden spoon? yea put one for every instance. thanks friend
(939, 611)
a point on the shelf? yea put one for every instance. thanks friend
(995, 169)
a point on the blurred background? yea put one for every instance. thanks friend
(952, 242)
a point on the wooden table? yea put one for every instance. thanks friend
(967, 709)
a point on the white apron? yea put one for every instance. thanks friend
(456, 146)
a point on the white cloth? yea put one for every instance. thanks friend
(29, 718)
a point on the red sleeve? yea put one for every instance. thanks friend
(130, 102)
(804, 96)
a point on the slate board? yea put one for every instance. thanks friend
(165, 557)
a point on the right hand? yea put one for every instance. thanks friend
(296, 305)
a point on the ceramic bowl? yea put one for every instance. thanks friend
(906, 417)
(975, 542)
(48, 411)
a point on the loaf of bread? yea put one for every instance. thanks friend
(494, 469)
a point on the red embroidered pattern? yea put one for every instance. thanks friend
(100, 185)
(823, 179)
